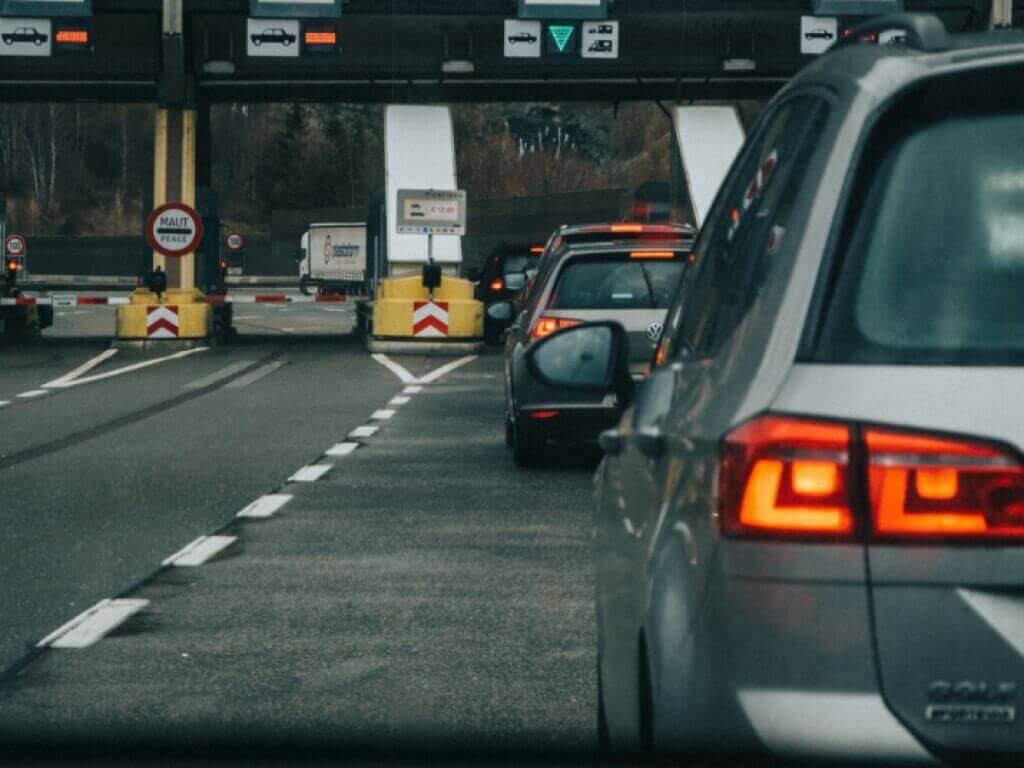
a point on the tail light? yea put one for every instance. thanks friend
(647, 255)
(545, 326)
(791, 477)
(926, 487)
(223, 265)
(497, 285)
(786, 476)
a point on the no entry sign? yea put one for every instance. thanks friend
(235, 242)
(14, 245)
(174, 230)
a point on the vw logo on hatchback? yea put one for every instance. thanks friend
(654, 331)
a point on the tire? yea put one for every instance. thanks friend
(510, 436)
(645, 708)
(528, 450)
(304, 286)
(604, 739)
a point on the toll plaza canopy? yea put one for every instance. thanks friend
(427, 50)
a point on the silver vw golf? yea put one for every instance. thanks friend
(810, 519)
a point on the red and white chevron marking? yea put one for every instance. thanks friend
(430, 319)
(162, 322)
(81, 301)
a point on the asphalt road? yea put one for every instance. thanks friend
(422, 594)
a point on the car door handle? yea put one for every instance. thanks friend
(650, 441)
(610, 441)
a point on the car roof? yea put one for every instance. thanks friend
(883, 70)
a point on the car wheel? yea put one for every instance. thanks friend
(528, 450)
(604, 739)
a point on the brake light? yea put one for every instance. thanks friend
(13, 266)
(497, 285)
(925, 487)
(538, 249)
(618, 229)
(542, 415)
(652, 254)
(545, 326)
(786, 476)
(223, 264)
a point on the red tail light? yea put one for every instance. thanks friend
(497, 285)
(786, 476)
(792, 477)
(542, 415)
(925, 487)
(545, 326)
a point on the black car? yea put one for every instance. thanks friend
(25, 35)
(818, 34)
(273, 35)
(506, 271)
(522, 37)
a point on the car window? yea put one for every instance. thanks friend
(746, 227)
(934, 270)
(514, 264)
(617, 282)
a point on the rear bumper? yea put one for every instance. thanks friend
(573, 426)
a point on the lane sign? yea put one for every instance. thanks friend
(235, 242)
(522, 39)
(431, 212)
(561, 39)
(563, 9)
(272, 38)
(162, 322)
(430, 319)
(818, 34)
(600, 40)
(320, 38)
(72, 37)
(14, 245)
(174, 230)
(26, 37)
(857, 7)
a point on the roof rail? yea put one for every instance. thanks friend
(923, 31)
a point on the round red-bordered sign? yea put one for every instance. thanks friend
(235, 242)
(14, 245)
(174, 230)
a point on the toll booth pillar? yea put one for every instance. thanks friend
(709, 139)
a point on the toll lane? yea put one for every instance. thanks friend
(420, 592)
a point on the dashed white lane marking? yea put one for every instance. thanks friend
(342, 449)
(266, 506)
(383, 414)
(130, 368)
(254, 376)
(84, 368)
(413, 390)
(365, 431)
(311, 473)
(92, 625)
(395, 368)
(4, 403)
(34, 393)
(220, 375)
(199, 551)
(398, 400)
(437, 373)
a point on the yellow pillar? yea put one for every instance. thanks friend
(174, 180)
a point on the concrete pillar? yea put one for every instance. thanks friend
(709, 138)
(174, 180)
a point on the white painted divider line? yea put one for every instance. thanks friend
(220, 375)
(34, 393)
(266, 506)
(413, 390)
(437, 373)
(84, 368)
(395, 368)
(364, 431)
(342, 449)
(383, 414)
(4, 403)
(310, 473)
(92, 625)
(130, 368)
(254, 376)
(398, 400)
(199, 551)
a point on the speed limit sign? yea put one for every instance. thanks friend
(235, 242)
(14, 245)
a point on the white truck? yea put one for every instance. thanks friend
(333, 259)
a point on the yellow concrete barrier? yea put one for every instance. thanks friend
(178, 314)
(456, 314)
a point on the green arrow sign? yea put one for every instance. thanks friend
(561, 34)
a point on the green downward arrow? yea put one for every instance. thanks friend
(561, 35)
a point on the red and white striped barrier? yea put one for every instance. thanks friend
(80, 301)
(430, 319)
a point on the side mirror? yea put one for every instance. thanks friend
(497, 318)
(592, 357)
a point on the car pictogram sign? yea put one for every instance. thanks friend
(174, 230)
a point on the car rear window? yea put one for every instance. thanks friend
(514, 264)
(934, 270)
(618, 282)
